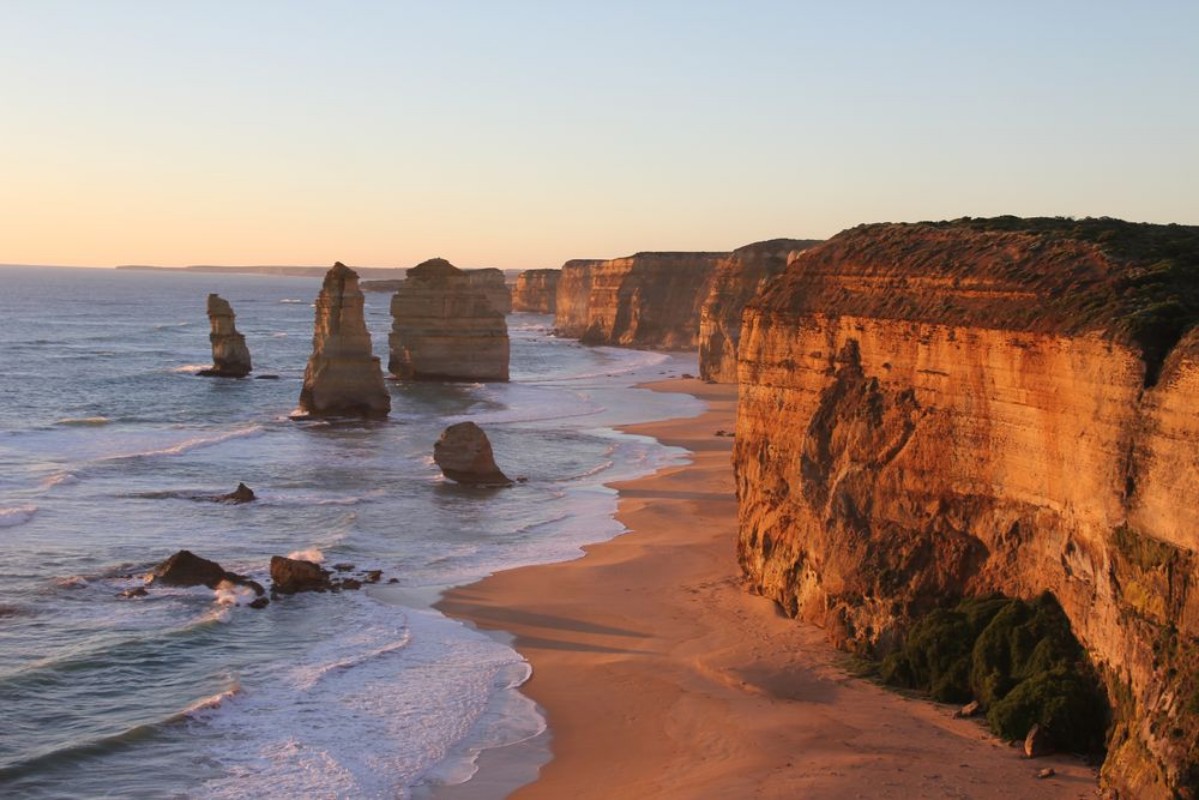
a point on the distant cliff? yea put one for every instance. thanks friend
(536, 291)
(951, 409)
(643, 300)
(738, 278)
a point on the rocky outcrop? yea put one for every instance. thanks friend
(343, 378)
(230, 356)
(490, 281)
(464, 455)
(185, 568)
(242, 494)
(943, 410)
(291, 575)
(738, 278)
(536, 291)
(644, 300)
(445, 328)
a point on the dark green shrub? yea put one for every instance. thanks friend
(1066, 704)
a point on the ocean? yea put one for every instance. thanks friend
(110, 448)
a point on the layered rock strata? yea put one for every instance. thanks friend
(490, 281)
(343, 378)
(464, 455)
(737, 280)
(951, 409)
(445, 328)
(536, 291)
(230, 356)
(644, 300)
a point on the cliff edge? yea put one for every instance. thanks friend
(944, 410)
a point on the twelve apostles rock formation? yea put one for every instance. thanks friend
(343, 377)
(490, 281)
(230, 356)
(738, 279)
(644, 300)
(942, 410)
(536, 291)
(445, 328)
(464, 455)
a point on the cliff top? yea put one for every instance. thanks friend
(777, 246)
(337, 276)
(1137, 282)
(433, 268)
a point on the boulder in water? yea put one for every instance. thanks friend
(185, 568)
(242, 494)
(464, 455)
(291, 575)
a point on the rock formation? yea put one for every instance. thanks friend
(536, 291)
(644, 300)
(291, 575)
(342, 377)
(942, 410)
(242, 494)
(185, 568)
(738, 278)
(464, 455)
(490, 281)
(230, 356)
(445, 328)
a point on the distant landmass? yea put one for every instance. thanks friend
(373, 273)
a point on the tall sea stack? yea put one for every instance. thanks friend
(342, 377)
(445, 328)
(230, 356)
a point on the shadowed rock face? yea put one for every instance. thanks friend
(644, 300)
(738, 278)
(490, 281)
(290, 575)
(185, 568)
(464, 455)
(536, 291)
(445, 328)
(342, 378)
(952, 409)
(230, 356)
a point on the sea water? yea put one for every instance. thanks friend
(109, 446)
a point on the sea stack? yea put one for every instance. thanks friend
(536, 290)
(464, 455)
(445, 328)
(342, 378)
(230, 356)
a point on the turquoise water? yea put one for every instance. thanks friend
(107, 437)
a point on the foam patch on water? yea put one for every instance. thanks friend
(312, 554)
(194, 443)
(12, 516)
(83, 422)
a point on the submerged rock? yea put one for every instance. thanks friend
(343, 377)
(242, 494)
(291, 575)
(230, 356)
(464, 455)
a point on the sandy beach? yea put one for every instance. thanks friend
(661, 676)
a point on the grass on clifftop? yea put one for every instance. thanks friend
(1019, 660)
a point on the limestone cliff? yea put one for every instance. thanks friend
(490, 281)
(644, 300)
(950, 409)
(230, 356)
(343, 377)
(536, 291)
(738, 278)
(445, 328)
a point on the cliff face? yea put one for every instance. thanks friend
(943, 410)
(342, 377)
(230, 356)
(738, 278)
(536, 290)
(445, 328)
(490, 281)
(644, 300)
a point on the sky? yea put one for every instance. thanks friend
(520, 134)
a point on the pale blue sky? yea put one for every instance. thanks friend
(521, 134)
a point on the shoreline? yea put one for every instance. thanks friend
(660, 676)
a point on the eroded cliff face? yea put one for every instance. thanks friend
(490, 281)
(738, 278)
(230, 356)
(342, 376)
(644, 300)
(936, 411)
(445, 328)
(536, 291)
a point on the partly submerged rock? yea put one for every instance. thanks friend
(291, 575)
(343, 377)
(242, 494)
(230, 356)
(185, 568)
(464, 455)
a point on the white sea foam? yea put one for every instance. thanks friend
(312, 554)
(60, 479)
(12, 516)
(191, 368)
(83, 422)
(234, 594)
(193, 443)
(279, 335)
(212, 701)
(292, 301)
